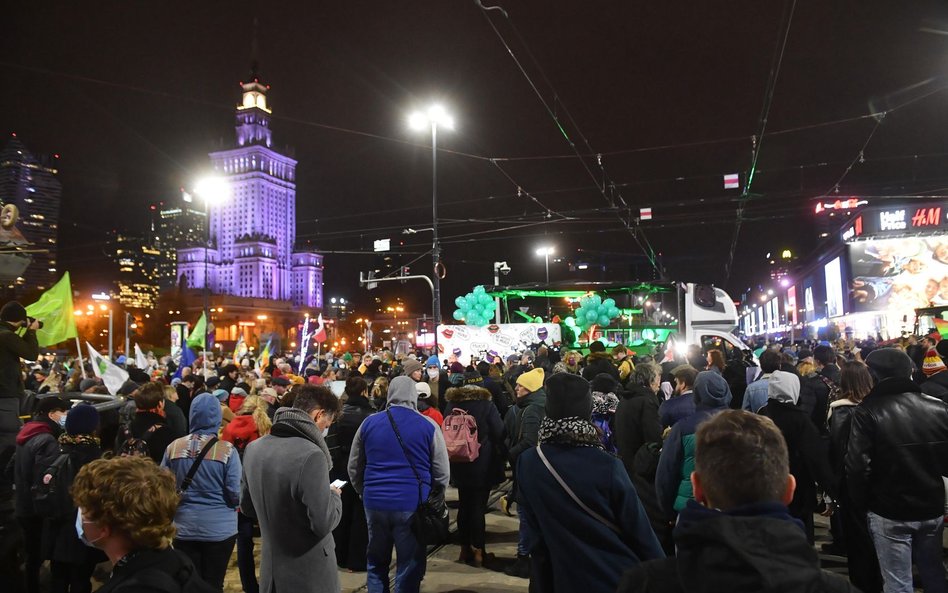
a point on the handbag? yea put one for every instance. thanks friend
(430, 521)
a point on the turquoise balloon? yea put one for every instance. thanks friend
(458, 315)
(609, 303)
(603, 320)
(459, 302)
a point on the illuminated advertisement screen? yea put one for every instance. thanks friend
(773, 312)
(792, 304)
(899, 274)
(834, 288)
(760, 320)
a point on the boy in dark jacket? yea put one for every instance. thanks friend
(37, 448)
(737, 534)
(149, 422)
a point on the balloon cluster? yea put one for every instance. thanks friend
(595, 311)
(475, 308)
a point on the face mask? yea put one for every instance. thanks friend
(62, 421)
(81, 532)
(433, 373)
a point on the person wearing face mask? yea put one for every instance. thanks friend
(126, 508)
(206, 517)
(37, 447)
(286, 488)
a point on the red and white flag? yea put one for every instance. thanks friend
(645, 214)
(732, 181)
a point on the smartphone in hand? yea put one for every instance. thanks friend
(338, 484)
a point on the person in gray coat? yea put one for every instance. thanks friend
(286, 488)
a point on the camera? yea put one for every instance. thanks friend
(502, 267)
(30, 320)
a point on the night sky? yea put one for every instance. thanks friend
(133, 95)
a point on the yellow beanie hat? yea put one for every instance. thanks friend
(531, 380)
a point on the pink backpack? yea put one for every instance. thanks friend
(460, 435)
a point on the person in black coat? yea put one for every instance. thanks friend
(352, 533)
(474, 479)
(737, 534)
(599, 361)
(637, 421)
(809, 458)
(72, 562)
(815, 391)
(149, 422)
(572, 549)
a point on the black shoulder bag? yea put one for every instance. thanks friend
(194, 466)
(430, 522)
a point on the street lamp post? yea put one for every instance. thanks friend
(213, 190)
(435, 116)
(499, 266)
(546, 252)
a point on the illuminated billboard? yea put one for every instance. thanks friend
(834, 288)
(899, 274)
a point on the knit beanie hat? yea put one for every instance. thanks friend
(473, 378)
(568, 395)
(604, 383)
(531, 380)
(87, 384)
(83, 419)
(932, 363)
(221, 394)
(597, 346)
(432, 361)
(411, 365)
(13, 311)
(456, 367)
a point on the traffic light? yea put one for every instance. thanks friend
(424, 326)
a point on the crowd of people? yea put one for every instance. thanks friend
(696, 471)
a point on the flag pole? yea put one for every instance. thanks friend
(82, 367)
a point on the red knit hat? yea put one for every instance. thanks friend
(932, 363)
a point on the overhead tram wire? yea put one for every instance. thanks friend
(759, 139)
(636, 232)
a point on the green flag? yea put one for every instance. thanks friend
(54, 309)
(197, 335)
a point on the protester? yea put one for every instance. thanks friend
(637, 420)
(428, 403)
(286, 488)
(737, 534)
(605, 403)
(851, 539)
(586, 521)
(474, 478)
(815, 392)
(809, 458)
(206, 517)
(755, 397)
(599, 361)
(397, 456)
(895, 460)
(673, 475)
(71, 562)
(148, 432)
(126, 509)
(682, 402)
(352, 533)
(173, 413)
(936, 379)
(522, 425)
(227, 414)
(13, 347)
(37, 447)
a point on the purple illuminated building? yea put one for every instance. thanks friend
(252, 233)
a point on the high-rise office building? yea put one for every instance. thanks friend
(30, 183)
(136, 286)
(175, 224)
(253, 230)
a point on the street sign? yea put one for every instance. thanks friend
(645, 214)
(732, 181)
(383, 245)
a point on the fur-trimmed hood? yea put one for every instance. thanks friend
(466, 393)
(598, 356)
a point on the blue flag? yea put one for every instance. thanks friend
(187, 359)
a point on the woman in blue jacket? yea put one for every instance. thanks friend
(206, 519)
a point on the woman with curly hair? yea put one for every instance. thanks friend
(126, 508)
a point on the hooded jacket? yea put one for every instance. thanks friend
(12, 349)
(897, 453)
(677, 461)
(751, 549)
(522, 423)
(206, 512)
(636, 423)
(36, 449)
(599, 362)
(380, 467)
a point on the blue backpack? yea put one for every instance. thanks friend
(601, 422)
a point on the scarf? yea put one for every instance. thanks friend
(291, 422)
(573, 431)
(78, 439)
(604, 403)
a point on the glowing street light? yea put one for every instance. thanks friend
(214, 191)
(546, 252)
(433, 118)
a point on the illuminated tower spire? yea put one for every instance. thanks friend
(253, 114)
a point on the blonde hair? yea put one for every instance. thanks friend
(805, 368)
(256, 407)
(130, 495)
(171, 394)
(380, 388)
